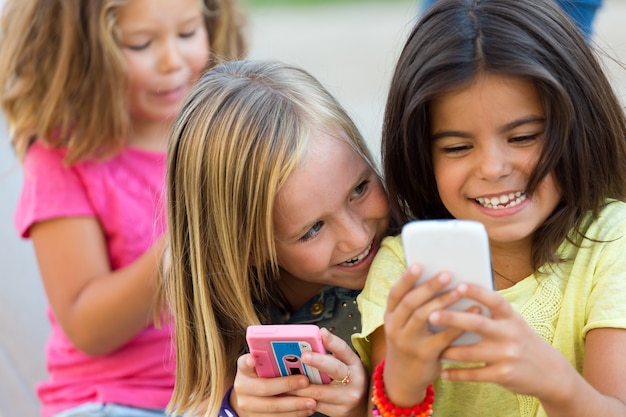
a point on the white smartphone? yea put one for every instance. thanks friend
(460, 247)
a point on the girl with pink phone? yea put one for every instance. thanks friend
(275, 212)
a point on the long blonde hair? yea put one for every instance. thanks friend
(242, 130)
(63, 78)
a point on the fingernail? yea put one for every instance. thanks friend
(434, 317)
(462, 287)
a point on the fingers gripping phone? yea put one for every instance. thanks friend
(460, 247)
(277, 349)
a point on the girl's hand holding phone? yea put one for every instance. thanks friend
(347, 394)
(294, 395)
(413, 351)
(513, 355)
(253, 396)
(440, 255)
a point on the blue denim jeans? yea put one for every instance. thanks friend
(109, 410)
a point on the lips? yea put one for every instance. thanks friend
(172, 94)
(359, 258)
(502, 201)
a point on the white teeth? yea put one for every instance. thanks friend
(353, 261)
(503, 201)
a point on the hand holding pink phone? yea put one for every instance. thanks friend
(277, 350)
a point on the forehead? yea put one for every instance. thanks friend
(495, 97)
(328, 172)
(138, 15)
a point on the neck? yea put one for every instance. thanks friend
(296, 291)
(511, 264)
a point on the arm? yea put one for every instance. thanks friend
(601, 390)
(98, 309)
(518, 359)
(605, 368)
(411, 351)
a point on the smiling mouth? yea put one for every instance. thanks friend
(354, 261)
(503, 201)
(166, 91)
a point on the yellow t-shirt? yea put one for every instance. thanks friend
(562, 305)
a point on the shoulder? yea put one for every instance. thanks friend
(390, 256)
(613, 210)
(600, 253)
(387, 267)
(610, 224)
(45, 166)
(39, 155)
(391, 247)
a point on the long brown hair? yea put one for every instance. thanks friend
(456, 41)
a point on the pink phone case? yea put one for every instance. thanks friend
(277, 349)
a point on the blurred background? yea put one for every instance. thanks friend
(349, 45)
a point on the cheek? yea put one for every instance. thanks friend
(289, 256)
(135, 98)
(137, 77)
(135, 64)
(199, 54)
(380, 203)
(444, 177)
(199, 61)
(302, 263)
(551, 190)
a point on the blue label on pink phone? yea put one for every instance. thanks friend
(287, 356)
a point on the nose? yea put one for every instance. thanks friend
(353, 234)
(170, 57)
(493, 162)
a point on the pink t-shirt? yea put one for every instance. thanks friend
(126, 195)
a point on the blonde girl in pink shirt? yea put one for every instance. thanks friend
(90, 89)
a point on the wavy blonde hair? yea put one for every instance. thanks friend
(63, 78)
(241, 132)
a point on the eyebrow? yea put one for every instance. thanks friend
(507, 127)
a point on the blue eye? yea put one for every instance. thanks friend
(360, 189)
(312, 232)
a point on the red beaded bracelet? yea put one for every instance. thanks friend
(385, 408)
